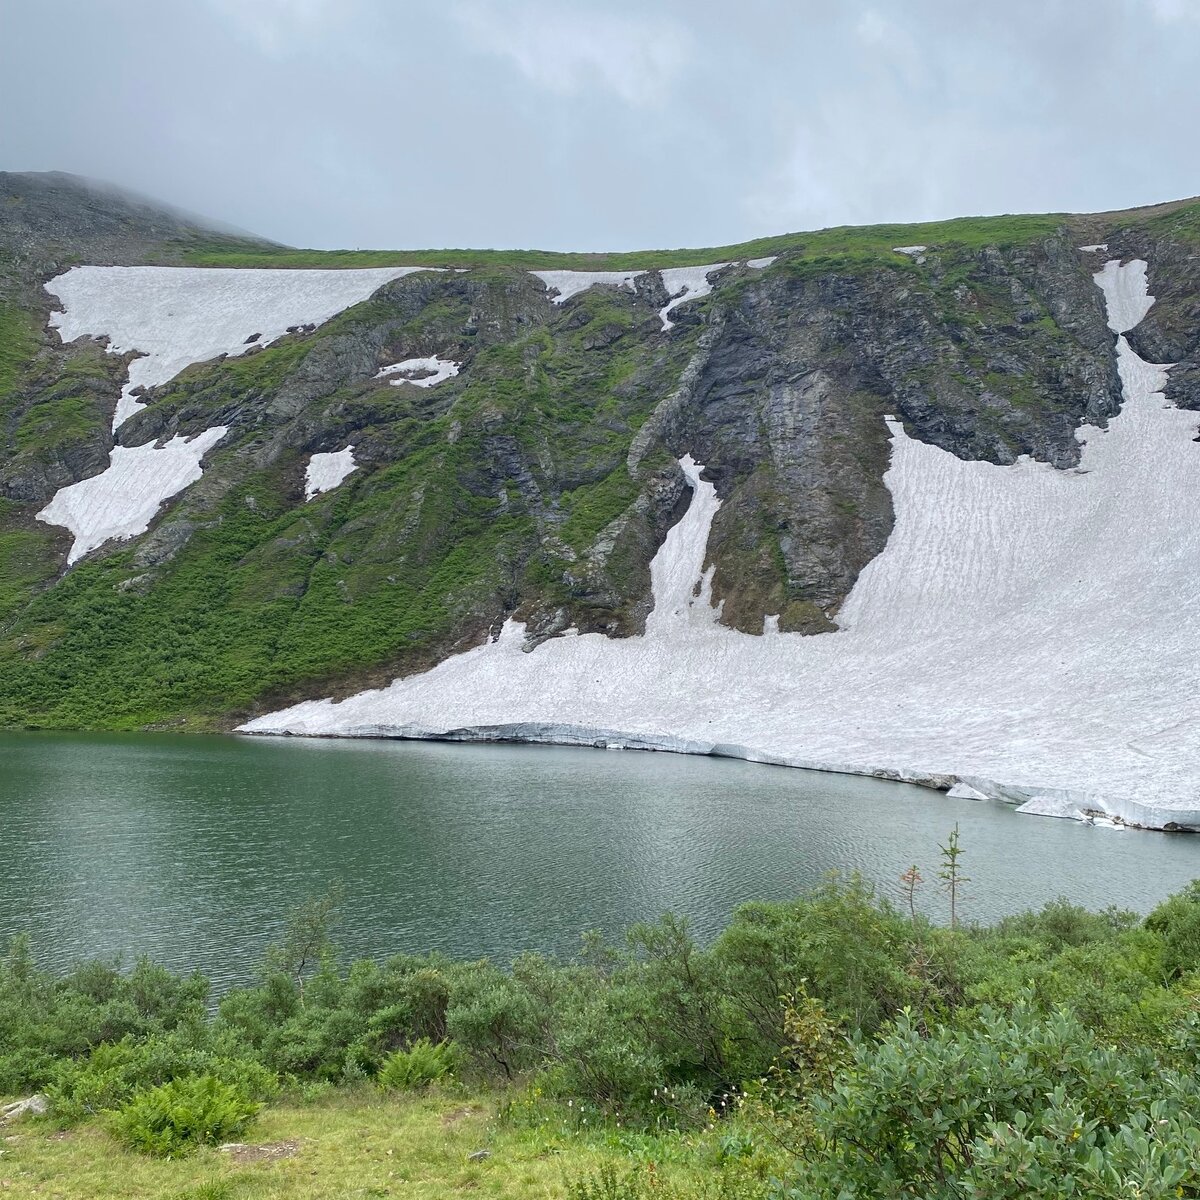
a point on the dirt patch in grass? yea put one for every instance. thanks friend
(240, 1152)
(459, 1114)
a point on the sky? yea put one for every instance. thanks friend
(604, 124)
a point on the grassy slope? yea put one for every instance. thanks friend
(871, 241)
(349, 1144)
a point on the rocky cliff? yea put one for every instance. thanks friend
(540, 478)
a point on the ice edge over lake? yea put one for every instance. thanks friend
(1024, 635)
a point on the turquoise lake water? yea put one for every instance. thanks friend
(192, 849)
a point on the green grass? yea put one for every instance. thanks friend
(1182, 223)
(262, 598)
(18, 344)
(57, 423)
(27, 559)
(356, 1144)
(871, 241)
(593, 506)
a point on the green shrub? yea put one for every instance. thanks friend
(1177, 922)
(1029, 1095)
(607, 1183)
(176, 1117)
(113, 1073)
(423, 1063)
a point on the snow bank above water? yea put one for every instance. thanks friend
(1026, 631)
(177, 316)
(121, 501)
(325, 471)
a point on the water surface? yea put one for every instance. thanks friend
(192, 849)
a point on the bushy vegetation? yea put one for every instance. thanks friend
(18, 343)
(836, 1044)
(421, 1064)
(176, 1117)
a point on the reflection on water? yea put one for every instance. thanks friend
(191, 850)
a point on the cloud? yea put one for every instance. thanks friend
(890, 47)
(573, 50)
(1170, 11)
(276, 26)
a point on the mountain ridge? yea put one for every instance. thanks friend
(537, 481)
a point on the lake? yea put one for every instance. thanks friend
(192, 849)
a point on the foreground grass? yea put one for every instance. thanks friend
(359, 1143)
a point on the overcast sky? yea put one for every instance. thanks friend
(604, 124)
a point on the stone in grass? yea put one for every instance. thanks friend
(242, 1152)
(35, 1105)
(479, 1155)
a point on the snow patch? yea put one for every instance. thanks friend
(325, 471)
(177, 316)
(685, 283)
(1027, 633)
(913, 250)
(682, 283)
(681, 587)
(441, 368)
(1126, 294)
(1094, 249)
(571, 283)
(121, 501)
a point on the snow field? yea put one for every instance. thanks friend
(176, 316)
(1026, 634)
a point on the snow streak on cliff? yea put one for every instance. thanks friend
(1026, 633)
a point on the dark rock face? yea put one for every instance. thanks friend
(1170, 332)
(989, 355)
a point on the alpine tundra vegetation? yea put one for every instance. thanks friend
(828, 1046)
(900, 500)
